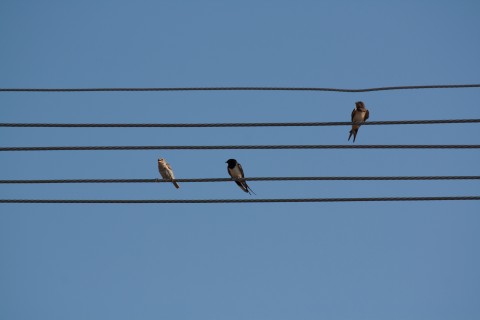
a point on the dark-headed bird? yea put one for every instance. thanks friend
(235, 171)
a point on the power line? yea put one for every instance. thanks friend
(447, 86)
(212, 201)
(238, 147)
(390, 178)
(222, 125)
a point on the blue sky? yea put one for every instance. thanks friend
(253, 261)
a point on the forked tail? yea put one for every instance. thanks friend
(354, 133)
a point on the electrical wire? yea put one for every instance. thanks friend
(212, 201)
(237, 147)
(223, 125)
(442, 86)
(390, 178)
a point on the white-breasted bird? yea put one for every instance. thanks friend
(235, 171)
(166, 171)
(359, 114)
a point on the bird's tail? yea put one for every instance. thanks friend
(354, 133)
(175, 184)
(248, 189)
(241, 185)
(244, 186)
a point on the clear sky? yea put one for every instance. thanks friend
(393, 260)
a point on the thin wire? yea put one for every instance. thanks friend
(222, 125)
(448, 86)
(240, 200)
(257, 147)
(390, 178)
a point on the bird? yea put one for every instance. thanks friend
(359, 114)
(235, 171)
(166, 171)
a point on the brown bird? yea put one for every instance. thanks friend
(359, 114)
(235, 171)
(166, 171)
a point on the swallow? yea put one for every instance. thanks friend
(235, 171)
(359, 114)
(166, 171)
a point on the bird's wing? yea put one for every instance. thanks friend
(353, 114)
(241, 169)
(366, 115)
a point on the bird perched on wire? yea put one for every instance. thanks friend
(166, 171)
(359, 114)
(235, 171)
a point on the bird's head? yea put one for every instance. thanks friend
(161, 160)
(231, 162)
(359, 105)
